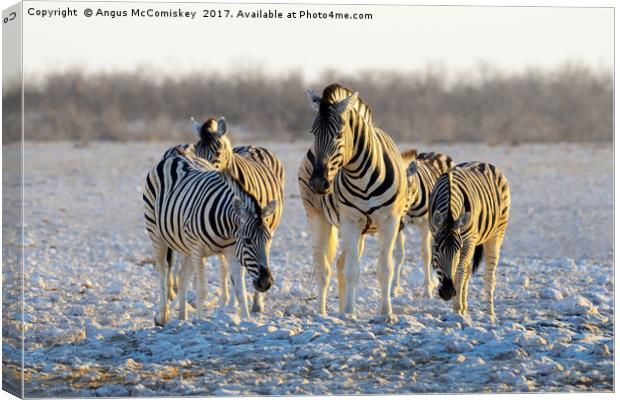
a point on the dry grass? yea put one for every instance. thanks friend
(570, 103)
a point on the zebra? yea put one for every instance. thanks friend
(469, 210)
(257, 169)
(197, 211)
(352, 179)
(423, 169)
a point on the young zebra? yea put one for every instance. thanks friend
(198, 211)
(364, 168)
(258, 171)
(469, 207)
(422, 172)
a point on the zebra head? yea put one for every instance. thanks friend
(447, 243)
(212, 144)
(253, 241)
(332, 139)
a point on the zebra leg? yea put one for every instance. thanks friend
(465, 291)
(163, 314)
(491, 253)
(425, 253)
(341, 278)
(456, 301)
(224, 277)
(399, 255)
(171, 275)
(385, 266)
(258, 306)
(238, 283)
(461, 281)
(187, 269)
(324, 237)
(201, 292)
(360, 247)
(341, 293)
(351, 245)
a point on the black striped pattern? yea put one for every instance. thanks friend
(428, 167)
(257, 169)
(353, 169)
(358, 186)
(423, 169)
(196, 210)
(469, 207)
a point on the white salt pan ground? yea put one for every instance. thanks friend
(90, 292)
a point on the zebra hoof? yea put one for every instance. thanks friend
(159, 321)
(388, 319)
(257, 308)
(344, 316)
(490, 319)
(397, 291)
(463, 319)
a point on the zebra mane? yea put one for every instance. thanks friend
(237, 187)
(187, 152)
(408, 156)
(335, 93)
(452, 199)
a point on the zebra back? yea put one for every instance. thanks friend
(188, 203)
(478, 188)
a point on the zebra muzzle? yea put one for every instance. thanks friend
(319, 184)
(264, 281)
(446, 290)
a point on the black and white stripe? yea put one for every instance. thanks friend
(353, 179)
(469, 210)
(198, 211)
(423, 169)
(258, 171)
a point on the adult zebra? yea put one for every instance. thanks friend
(198, 211)
(365, 169)
(258, 171)
(470, 206)
(423, 169)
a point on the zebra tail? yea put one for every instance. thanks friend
(477, 257)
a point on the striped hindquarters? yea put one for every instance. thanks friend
(428, 167)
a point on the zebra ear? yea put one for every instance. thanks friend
(342, 106)
(181, 150)
(437, 220)
(412, 168)
(314, 99)
(463, 220)
(196, 127)
(269, 209)
(222, 127)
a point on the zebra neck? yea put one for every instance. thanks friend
(455, 198)
(230, 165)
(366, 151)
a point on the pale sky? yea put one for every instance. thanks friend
(397, 38)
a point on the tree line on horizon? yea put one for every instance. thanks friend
(572, 103)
